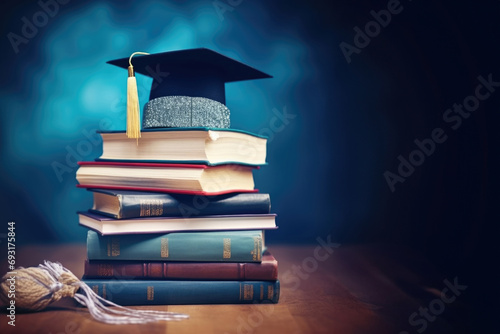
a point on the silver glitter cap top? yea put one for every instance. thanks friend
(185, 111)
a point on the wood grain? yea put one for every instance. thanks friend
(355, 289)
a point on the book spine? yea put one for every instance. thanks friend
(130, 292)
(265, 271)
(164, 205)
(134, 206)
(225, 246)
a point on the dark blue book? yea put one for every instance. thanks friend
(123, 204)
(137, 292)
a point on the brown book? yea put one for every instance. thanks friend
(267, 270)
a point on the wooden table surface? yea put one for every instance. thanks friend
(349, 289)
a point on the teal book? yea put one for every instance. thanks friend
(170, 292)
(220, 246)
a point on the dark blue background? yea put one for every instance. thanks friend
(350, 121)
(58, 88)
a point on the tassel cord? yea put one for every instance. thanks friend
(135, 53)
(37, 287)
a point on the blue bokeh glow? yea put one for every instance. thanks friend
(65, 91)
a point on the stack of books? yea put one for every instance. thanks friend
(176, 219)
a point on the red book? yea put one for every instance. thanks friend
(267, 270)
(166, 177)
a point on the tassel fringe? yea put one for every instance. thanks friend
(133, 109)
(133, 113)
(37, 287)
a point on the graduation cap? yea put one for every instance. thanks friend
(188, 87)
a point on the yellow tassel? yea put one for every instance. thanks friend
(133, 109)
(133, 121)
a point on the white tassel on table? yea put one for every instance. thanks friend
(37, 287)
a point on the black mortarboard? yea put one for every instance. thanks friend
(195, 73)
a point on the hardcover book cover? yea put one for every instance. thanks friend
(191, 179)
(267, 270)
(109, 226)
(121, 204)
(171, 292)
(223, 246)
(199, 145)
